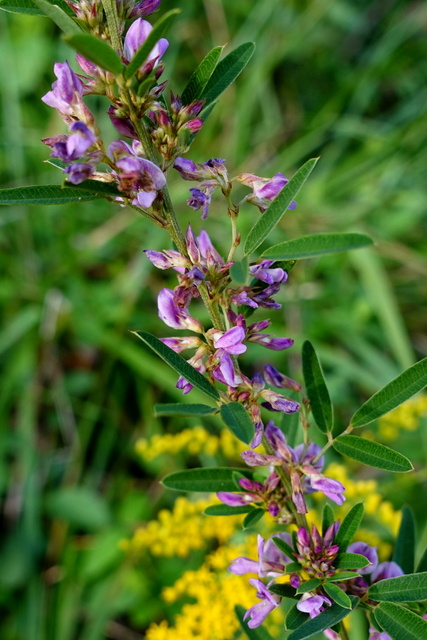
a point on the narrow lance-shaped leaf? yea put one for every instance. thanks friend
(272, 216)
(327, 518)
(239, 271)
(260, 633)
(392, 395)
(237, 419)
(178, 363)
(158, 31)
(309, 585)
(204, 479)
(227, 71)
(400, 623)
(183, 410)
(252, 518)
(96, 186)
(201, 75)
(226, 510)
(58, 16)
(97, 51)
(351, 561)
(318, 244)
(47, 194)
(412, 588)
(372, 453)
(317, 391)
(295, 618)
(283, 546)
(337, 595)
(329, 617)
(28, 7)
(422, 564)
(349, 526)
(404, 549)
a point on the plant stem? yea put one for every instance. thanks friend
(110, 9)
(330, 442)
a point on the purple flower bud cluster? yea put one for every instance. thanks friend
(316, 557)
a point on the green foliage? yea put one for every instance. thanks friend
(34, 8)
(412, 588)
(400, 623)
(349, 526)
(372, 454)
(317, 391)
(239, 271)
(337, 595)
(284, 546)
(392, 395)
(252, 518)
(351, 561)
(200, 77)
(226, 510)
(237, 419)
(315, 245)
(226, 72)
(309, 585)
(97, 51)
(327, 518)
(404, 549)
(51, 194)
(204, 479)
(328, 618)
(58, 16)
(272, 216)
(184, 410)
(82, 508)
(178, 363)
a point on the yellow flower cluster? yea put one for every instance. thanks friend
(407, 416)
(191, 441)
(181, 530)
(216, 592)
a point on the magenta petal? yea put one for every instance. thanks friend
(232, 499)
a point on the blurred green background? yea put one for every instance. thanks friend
(337, 79)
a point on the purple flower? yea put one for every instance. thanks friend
(224, 371)
(386, 570)
(275, 402)
(78, 172)
(277, 379)
(259, 612)
(264, 190)
(168, 259)
(140, 175)
(378, 635)
(271, 342)
(74, 147)
(370, 553)
(144, 8)
(231, 341)
(200, 200)
(175, 316)
(135, 37)
(313, 604)
(181, 344)
(242, 298)
(123, 125)
(333, 489)
(271, 561)
(263, 272)
(66, 90)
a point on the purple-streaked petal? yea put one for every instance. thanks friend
(241, 566)
(232, 499)
(231, 341)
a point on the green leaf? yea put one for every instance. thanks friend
(239, 271)
(372, 453)
(290, 425)
(344, 575)
(81, 507)
(283, 546)
(237, 419)
(317, 391)
(58, 16)
(46, 194)
(272, 216)
(422, 565)
(400, 623)
(328, 518)
(295, 618)
(293, 567)
(328, 618)
(226, 72)
(183, 410)
(404, 550)
(28, 7)
(310, 585)
(97, 51)
(252, 518)
(337, 595)
(204, 479)
(199, 79)
(317, 244)
(283, 590)
(96, 186)
(349, 526)
(351, 561)
(260, 633)
(412, 588)
(226, 510)
(159, 29)
(392, 395)
(178, 363)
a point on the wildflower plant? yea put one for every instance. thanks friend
(320, 572)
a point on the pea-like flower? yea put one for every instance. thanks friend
(264, 190)
(135, 37)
